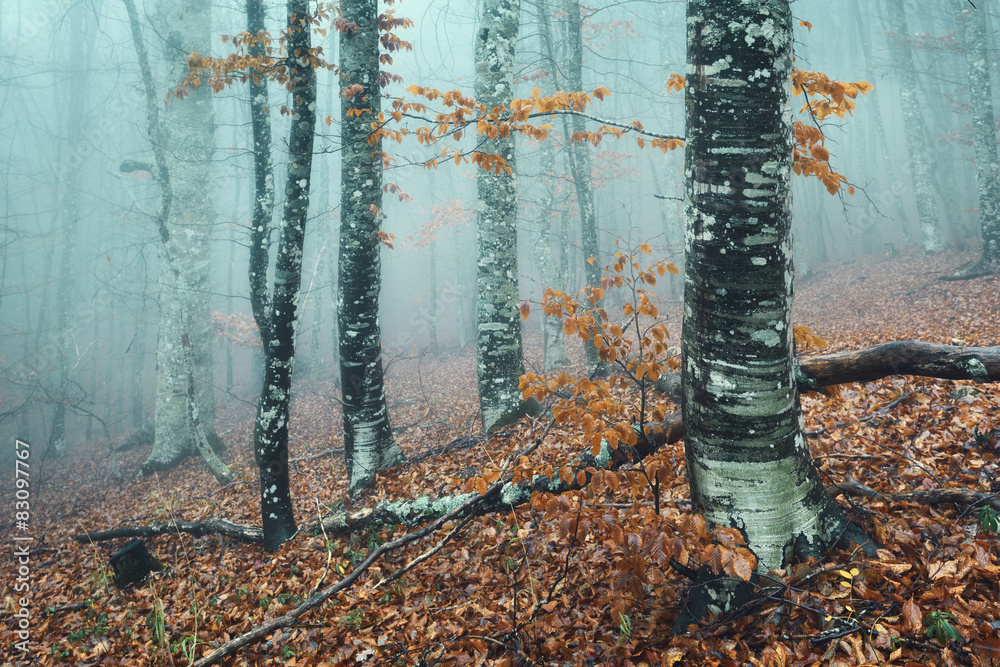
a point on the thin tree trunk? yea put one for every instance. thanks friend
(138, 369)
(69, 178)
(972, 31)
(271, 424)
(368, 442)
(915, 130)
(554, 335)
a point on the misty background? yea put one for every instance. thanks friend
(77, 233)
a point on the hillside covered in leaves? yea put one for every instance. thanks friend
(590, 577)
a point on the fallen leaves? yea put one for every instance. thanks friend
(555, 582)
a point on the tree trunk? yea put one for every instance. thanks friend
(579, 161)
(172, 265)
(263, 194)
(748, 462)
(972, 31)
(271, 425)
(915, 129)
(69, 177)
(548, 268)
(498, 344)
(188, 128)
(368, 442)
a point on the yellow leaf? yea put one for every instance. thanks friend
(646, 248)
(534, 93)
(590, 260)
(807, 25)
(672, 268)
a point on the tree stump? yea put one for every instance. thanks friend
(133, 564)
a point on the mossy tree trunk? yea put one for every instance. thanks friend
(748, 462)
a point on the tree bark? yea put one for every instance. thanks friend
(188, 143)
(368, 442)
(972, 32)
(499, 354)
(748, 461)
(202, 441)
(915, 129)
(271, 424)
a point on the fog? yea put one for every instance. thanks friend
(81, 259)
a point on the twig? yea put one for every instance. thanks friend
(261, 631)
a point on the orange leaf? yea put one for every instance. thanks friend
(911, 612)
(646, 248)
(525, 311)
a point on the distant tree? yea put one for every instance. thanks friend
(579, 160)
(915, 129)
(185, 27)
(972, 33)
(368, 441)
(80, 49)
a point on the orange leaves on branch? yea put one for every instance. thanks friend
(239, 328)
(637, 344)
(500, 122)
(837, 97)
(675, 82)
(824, 97)
(386, 239)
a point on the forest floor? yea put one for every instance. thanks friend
(587, 580)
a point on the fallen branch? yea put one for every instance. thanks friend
(909, 357)
(924, 496)
(420, 510)
(464, 509)
(871, 363)
(222, 527)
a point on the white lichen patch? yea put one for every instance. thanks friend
(768, 337)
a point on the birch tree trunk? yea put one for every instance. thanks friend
(972, 31)
(915, 130)
(748, 463)
(188, 136)
(499, 361)
(368, 442)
